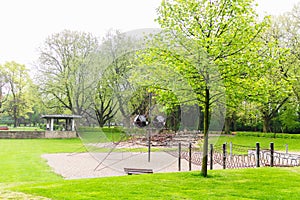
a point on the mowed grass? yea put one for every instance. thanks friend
(260, 183)
(21, 161)
(250, 141)
(23, 170)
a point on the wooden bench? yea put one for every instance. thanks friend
(132, 171)
(279, 165)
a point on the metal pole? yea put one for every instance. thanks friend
(149, 145)
(272, 154)
(211, 156)
(257, 154)
(149, 129)
(190, 156)
(224, 156)
(179, 156)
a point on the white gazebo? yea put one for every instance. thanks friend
(69, 121)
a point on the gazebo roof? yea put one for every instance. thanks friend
(61, 116)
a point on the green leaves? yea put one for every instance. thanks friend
(19, 98)
(67, 71)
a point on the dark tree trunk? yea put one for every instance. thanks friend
(173, 119)
(234, 118)
(266, 124)
(227, 125)
(205, 131)
(15, 115)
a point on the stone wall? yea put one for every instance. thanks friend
(60, 134)
(36, 134)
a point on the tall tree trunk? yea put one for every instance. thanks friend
(125, 116)
(266, 124)
(173, 119)
(200, 123)
(15, 116)
(205, 131)
(234, 118)
(227, 125)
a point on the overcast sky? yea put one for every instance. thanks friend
(25, 24)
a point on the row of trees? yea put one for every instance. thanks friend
(220, 49)
(75, 74)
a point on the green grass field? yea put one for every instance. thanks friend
(250, 141)
(25, 175)
(262, 183)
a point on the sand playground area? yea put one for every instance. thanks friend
(95, 165)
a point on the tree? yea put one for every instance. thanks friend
(117, 54)
(67, 73)
(288, 26)
(290, 118)
(207, 41)
(19, 102)
(2, 89)
(104, 102)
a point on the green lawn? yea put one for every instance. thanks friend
(250, 141)
(261, 183)
(23, 170)
(21, 158)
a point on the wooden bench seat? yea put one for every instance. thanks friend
(279, 165)
(132, 171)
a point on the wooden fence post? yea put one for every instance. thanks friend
(211, 156)
(286, 148)
(224, 156)
(257, 155)
(190, 156)
(179, 156)
(272, 154)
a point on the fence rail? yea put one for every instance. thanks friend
(250, 158)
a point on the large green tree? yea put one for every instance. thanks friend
(20, 96)
(67, 72)
(207, 41)
(272, 89)
(287, 28)
(117, 56)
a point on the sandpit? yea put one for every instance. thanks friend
(95, 165)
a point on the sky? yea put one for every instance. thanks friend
(25, 24)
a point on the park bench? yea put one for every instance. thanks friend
(3, 128)
(131, 171)
(279, 165)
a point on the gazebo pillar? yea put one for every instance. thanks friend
(73, 124)
(67, 125)
(51, 124)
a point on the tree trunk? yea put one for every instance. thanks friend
(227, 125)
(205, 131)
(15, 116)
(234, 118)
(173, 119)
(266, 124)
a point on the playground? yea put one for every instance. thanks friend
(83, 165)
(111, 159)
